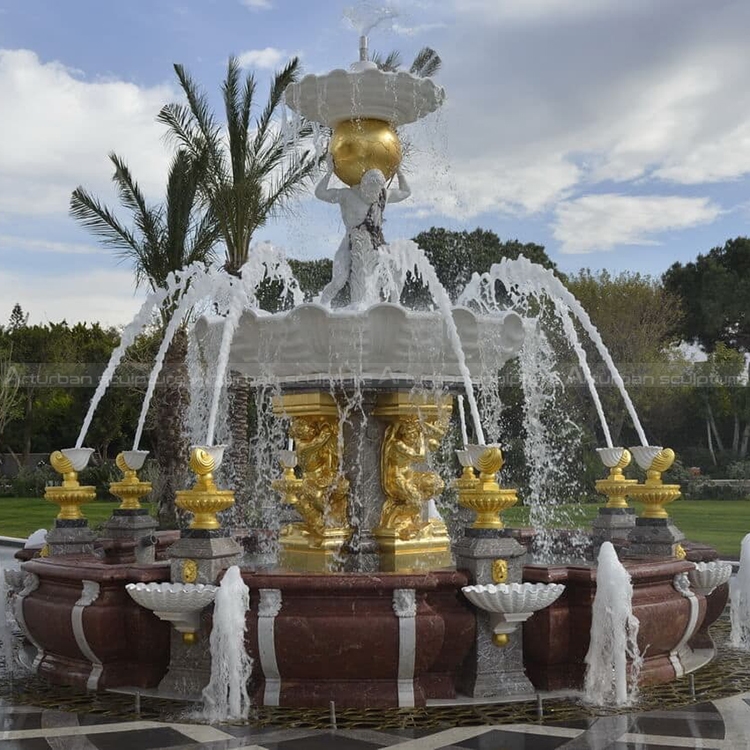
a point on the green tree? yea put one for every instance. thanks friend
(715, 293)
(252, 171)
(163, 239)
(457, 255)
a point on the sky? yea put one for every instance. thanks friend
(616, 134)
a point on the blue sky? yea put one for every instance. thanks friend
(616, 134)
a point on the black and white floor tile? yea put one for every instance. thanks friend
(720, 725)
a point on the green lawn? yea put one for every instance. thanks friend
(19, 516)
(720, 523)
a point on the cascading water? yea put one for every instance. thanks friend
(6, 635)
(226, 697)
(614, 634)
(532, 280)
(739, 594)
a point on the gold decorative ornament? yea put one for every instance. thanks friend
(499, 571)
(44, 551)
(320, 493)
(70, 495)
(358, 146)
(416, 425)
(130, 489)
(653, 493)
(189, 638)
(189, 571)
(679, 552)
(500, 639)
(204, 500)
(616, 487)
(484, 495)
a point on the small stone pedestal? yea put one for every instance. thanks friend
(612, 525)
(654, 537)
(201, 554)
(198, 557)
(71, 537)
(492, 556)
(124, 530)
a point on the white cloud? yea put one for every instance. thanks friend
(268, 58)
(104, 296)
(600, 222)
(257, 4)
(13, 243)
(60, 128)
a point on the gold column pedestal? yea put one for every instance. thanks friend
(70, 495)
(416, 425)
(653, 493)
(483, 494)
(204, 500)
(130, 489)
(320, 493)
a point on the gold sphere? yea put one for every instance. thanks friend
(360, 145)
(188, 638)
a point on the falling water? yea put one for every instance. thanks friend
(614, 633)
(226, 697)
(394, 262)
(6, 636)
(175, 285)
(532, 279)
(739, 593)
(207, 285)
(481, 291)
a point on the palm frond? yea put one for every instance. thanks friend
(426, 63)
(288, 74)
(390, 63)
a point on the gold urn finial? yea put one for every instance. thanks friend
(653, 493)
(483, 494)
(130, 489)
(70, 495)
(205, 500)
(615, 487)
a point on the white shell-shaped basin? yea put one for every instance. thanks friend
(513, 598)
(79, 457)
(385, 343)
(397, 98)
(464, 458)
(287, 458)
(172, 597)
(610, 457)
(134, 459)
(644, 455)
(215, 451)
(706, 576)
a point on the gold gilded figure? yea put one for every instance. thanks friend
(321, 498)
(407, 483)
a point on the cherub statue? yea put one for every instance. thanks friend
(362, 209)
(405, 446)
(322, 497)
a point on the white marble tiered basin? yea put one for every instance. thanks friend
(178, 603)
(512, 603)
(706, 576)
(364, 92)
(384, 344)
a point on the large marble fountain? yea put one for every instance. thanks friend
(366, 586)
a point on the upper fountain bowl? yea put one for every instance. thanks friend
(384, 344)
(364, 92)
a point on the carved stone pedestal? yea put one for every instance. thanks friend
(489, 671)
(612, 525)
(70, 537)
(655, 537)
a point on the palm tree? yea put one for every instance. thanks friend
(252, 170)
(163, 239)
